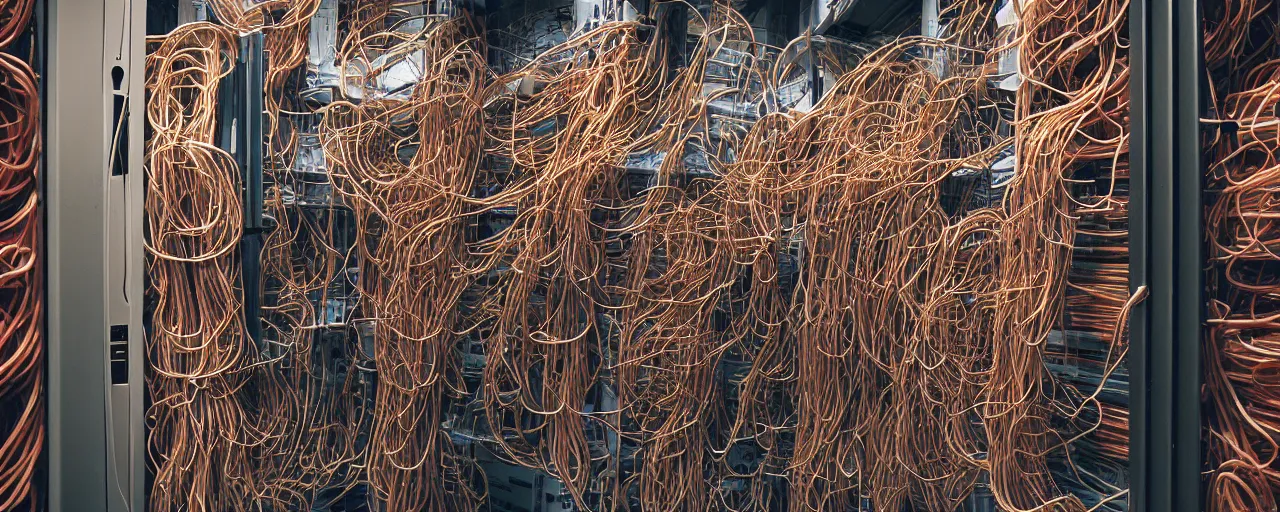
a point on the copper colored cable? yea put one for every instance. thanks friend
(1242, 395)
(792, 283)
(22, 413)
(197, 348)
(410, 280)
(15, 19)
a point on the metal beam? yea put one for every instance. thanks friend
(124, 30)
(1139, 239)
(249, 152)
(1189, 254)
(77, 113)
(1167, 254)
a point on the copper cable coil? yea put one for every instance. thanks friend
(199, 433)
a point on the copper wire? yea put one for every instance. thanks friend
(411, 282)
(1242, 396)
(901, 364)
(22, 356)
(197, 347)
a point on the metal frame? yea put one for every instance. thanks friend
(1166, 254)
(94, 254)
(1139, 419)
(125, 24)
(75, 233)
(1189, 297)
(241, 123)
(251, 148)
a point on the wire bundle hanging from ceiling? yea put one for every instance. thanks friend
(285, 23)
(594, 95)
(1070, 122)
(907, 317)
(1089, 352)
(891, 321)
(22, 411)
(310, 412)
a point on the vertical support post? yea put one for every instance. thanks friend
(249, 156)
(123, 55)
(186, 12)
(1139, 240)
(587, 14)
(929, 18)
(1189, 253)
(78, 105)
(1167, 254)
(815, 79)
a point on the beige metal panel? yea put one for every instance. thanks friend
(76, 116)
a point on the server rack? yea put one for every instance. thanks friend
(95, 257)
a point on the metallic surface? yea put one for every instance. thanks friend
(1167, 251)
(76, 225)
(1139, 239)
(95, 264)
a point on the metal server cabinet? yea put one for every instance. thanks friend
(95, 96)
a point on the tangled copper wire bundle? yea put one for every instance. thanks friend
(310, 412)
(197, 345)
(411, 279)
(1240, 351)
(285, 34)
(595, 93)
(15, 20)
(881, 300)
(22, 412)
(1069, 121)
(680, 262)
(660, 264)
